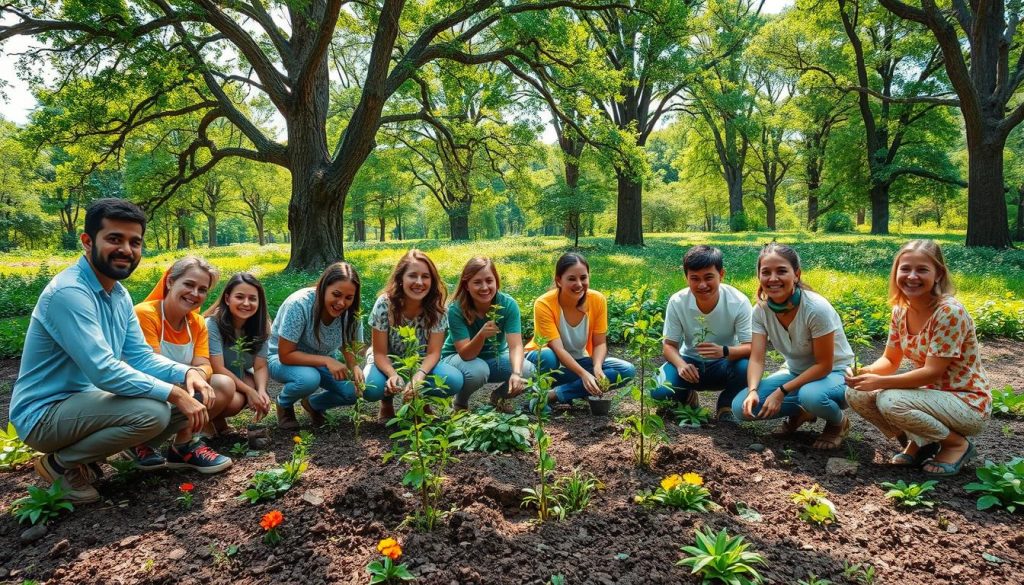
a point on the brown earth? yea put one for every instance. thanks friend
(138, 535)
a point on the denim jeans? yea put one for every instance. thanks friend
(729, 376)
(302, 381)
(569, 386)
(477, 372)
(825, 397)
(452, 378)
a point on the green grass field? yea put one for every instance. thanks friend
(851, 270)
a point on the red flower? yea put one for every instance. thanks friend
(272, 520)
(186, 487)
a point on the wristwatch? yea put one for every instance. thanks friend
(725, 351)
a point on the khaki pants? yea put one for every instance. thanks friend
(926, 416)
(90, 426)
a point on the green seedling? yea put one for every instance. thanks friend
(722, 558)
(41, 505)
(862, 573)
(815, 508)
(910, 495)
(643, 342)
(1000, 485)
(492, 431)
(574, 491)
(682, 492)
(542, 496)
(272, 483)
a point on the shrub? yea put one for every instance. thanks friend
(739, 222)
(1002, 485)
(720, 557)
(836, 222)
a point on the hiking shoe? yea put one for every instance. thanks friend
(145, 457)
(74, 480)
(286, 420)
(93, 471)
(315, 418)
(726, 415)
(197, 455)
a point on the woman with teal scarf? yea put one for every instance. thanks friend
(807, 331)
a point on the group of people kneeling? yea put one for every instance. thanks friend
(99, 376)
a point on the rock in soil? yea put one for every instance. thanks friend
(841, 467)
(59, 548)
(33, 534)
(756, 447)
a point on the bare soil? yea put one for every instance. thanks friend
(138, 535)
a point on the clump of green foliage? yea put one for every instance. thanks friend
(41, 505)
(691, 416)
(1001, 485)
(722, 558)
(574, 491)
(273, 483)
(683, 492)
(1006, 402)
(815, 508)
(13, 451)
(862, 573)
(910, 495)
(492, 431)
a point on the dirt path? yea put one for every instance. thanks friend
(137, 535)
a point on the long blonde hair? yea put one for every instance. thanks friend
(943, 284)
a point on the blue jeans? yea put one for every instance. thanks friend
(730, 376)
(477, 372)
(452, 379)
(302, 381)
(825, 397)
(569, 386)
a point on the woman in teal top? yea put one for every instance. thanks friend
(485, 340)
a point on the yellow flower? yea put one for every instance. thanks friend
(389, 547)
(671, 482)
(693, 479)
(297, 439)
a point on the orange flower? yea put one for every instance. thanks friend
(186, 487)
(272, 520)
(389, 548)
(297, 439)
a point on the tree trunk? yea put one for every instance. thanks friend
(315, 224)
(260, 233)
(861, 216)
(629, 229)
(359, 230)
(812, 210)
(382, 226)
(879, 196)
(770, 208)
(1019, 232)
(458, 220)
(987, 223)
(734, 178)
(211, 225)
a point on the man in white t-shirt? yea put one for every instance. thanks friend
(706, 336)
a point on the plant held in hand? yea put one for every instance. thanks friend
(185, 495)
(385, 570)
(41, 505)
(724, 558)
(270, 523)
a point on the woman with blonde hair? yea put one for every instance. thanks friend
(485, 340)
(945, 398)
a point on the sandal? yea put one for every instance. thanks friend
(917, 459)
(950, 469)
(789, 428)
(832, 437)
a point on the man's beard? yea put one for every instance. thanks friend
(107, 269)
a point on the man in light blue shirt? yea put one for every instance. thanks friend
(89, 384)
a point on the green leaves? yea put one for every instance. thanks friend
(1001, 485)
(815, 507)
(1006, 402)
(13, 451)
(41, 505)
(724, 558)
(910, 495)
(492, 431)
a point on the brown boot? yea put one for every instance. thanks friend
(286, 420)
(387, 408)
(316, 418)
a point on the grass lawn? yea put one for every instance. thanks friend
(851, 270)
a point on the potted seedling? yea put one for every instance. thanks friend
(601, 405)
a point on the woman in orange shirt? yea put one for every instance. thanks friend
(173, 327)
(574, 321)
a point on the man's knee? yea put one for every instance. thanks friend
(149, 417)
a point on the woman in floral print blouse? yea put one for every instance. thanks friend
(945, 398)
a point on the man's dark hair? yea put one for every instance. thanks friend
(112, 208)
(701, 257)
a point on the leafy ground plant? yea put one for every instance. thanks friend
(862, 573)
(1000, 485)
(41, 505)
(691, 416)
(683, 492)
(384, 570)
(13, 451)
(815, 508)
(423, 441)
(722, 558)
(272, 483)
(643, 341)
(910, 495)
(1007, 403)
(813, 579)
(574, 491)
(492, 431)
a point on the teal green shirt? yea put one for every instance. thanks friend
(458, 329)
